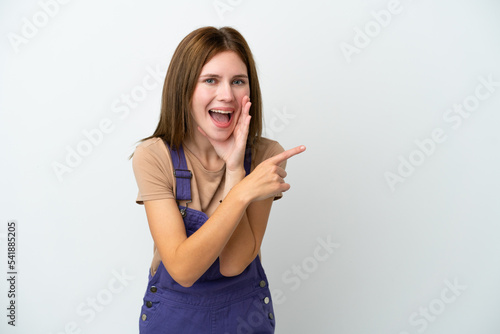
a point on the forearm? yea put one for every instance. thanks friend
(232, 178)
(253, 194)
(194, 255)
(240, 250)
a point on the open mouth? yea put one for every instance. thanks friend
(221, 117)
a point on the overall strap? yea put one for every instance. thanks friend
(182, 174)
(248, 160)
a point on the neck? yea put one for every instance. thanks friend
(200, 146)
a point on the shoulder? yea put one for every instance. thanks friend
(151, 152)
(150, 147)
(265, 149)
(153, 170)
(266, 143)
(154, 144)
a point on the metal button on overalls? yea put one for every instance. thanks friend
(214, 304)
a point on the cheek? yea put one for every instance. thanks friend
(200, 101)
(202, 95)
(242, 93)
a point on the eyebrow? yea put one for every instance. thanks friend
(218, 76)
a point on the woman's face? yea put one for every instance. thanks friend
(217, 98)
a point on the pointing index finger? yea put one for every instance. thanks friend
(277, 159)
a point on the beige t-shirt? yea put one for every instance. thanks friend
(155, 178)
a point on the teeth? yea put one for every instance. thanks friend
(221, 111)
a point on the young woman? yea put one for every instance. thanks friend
(207, 180)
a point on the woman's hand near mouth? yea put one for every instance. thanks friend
(232, 150)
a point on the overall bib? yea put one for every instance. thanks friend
(214, 304)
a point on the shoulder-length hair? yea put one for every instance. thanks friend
(194, 51)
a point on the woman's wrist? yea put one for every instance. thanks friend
(241, 194)
(232, 178)
(237, 175)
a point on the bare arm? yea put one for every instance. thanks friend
(186, 259)
(245, 242)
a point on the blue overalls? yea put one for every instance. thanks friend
(214, 304)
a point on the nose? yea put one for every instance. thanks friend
(225, 92)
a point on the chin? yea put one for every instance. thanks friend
(220, 135)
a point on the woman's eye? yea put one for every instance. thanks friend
(238, 82)
(209, 81)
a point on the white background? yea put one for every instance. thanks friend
(359, 115)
